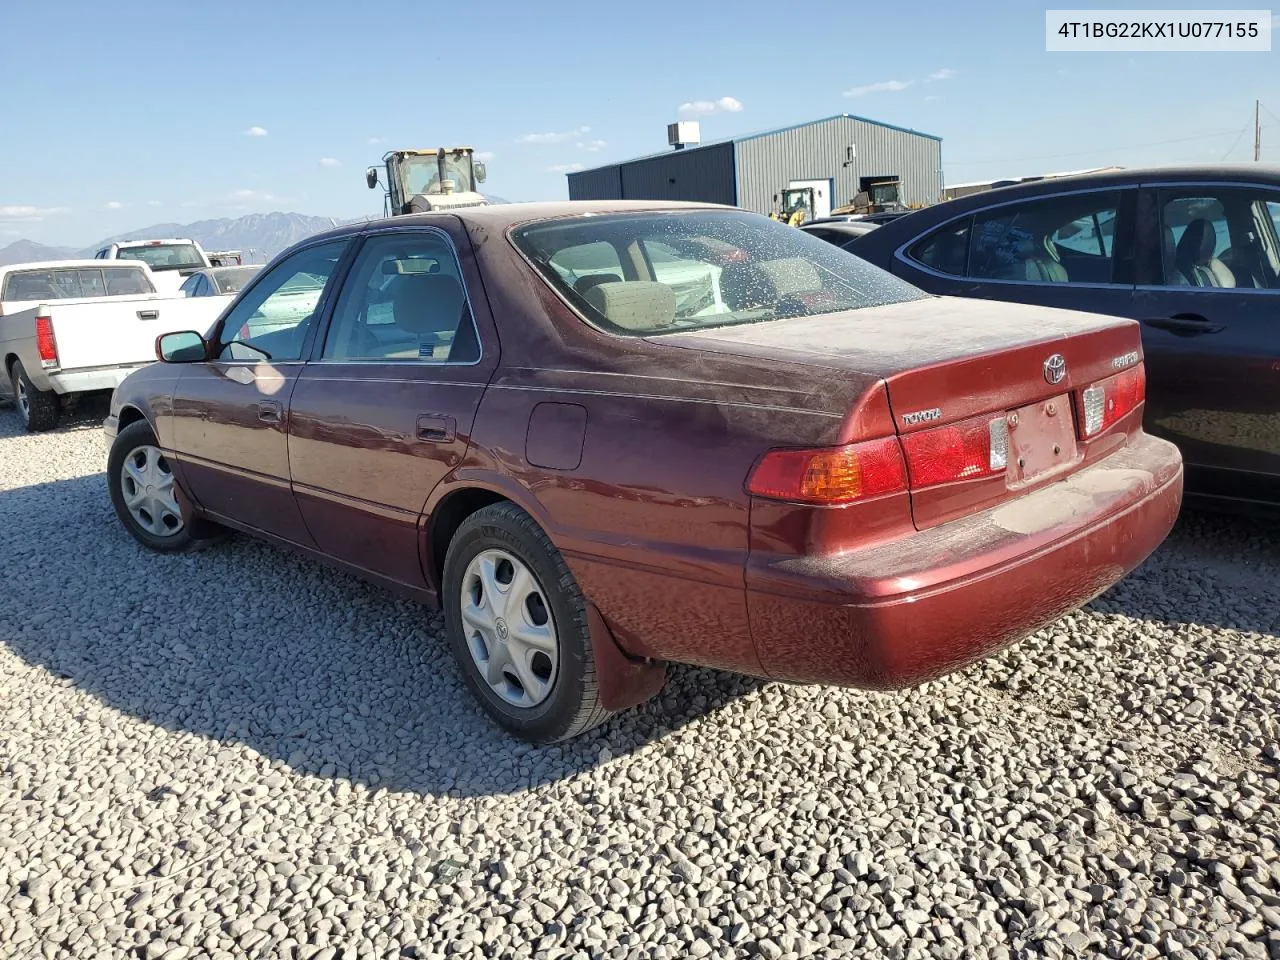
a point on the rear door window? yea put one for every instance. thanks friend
(1051, 240)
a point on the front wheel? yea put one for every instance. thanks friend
(144, 492)
(38, 408)
(517, 626)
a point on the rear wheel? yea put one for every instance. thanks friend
(39, 409)
(144, 492)
(517, 625)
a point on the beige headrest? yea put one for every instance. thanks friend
(792, 275)
(634, 304)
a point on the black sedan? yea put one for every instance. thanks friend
(1193, 253)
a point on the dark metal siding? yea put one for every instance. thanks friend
(602, 183)
(765, 164)
(704, 174)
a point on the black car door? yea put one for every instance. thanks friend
(1208, 298)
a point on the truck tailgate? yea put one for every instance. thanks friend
(119, 332)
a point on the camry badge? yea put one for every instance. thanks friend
(1055, 368)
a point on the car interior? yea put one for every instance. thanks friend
(1227, 241)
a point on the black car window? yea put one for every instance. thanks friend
(1050, 240)
(946, 249)
(1220, 238)
(404, 300)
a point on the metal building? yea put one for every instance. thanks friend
(836, 157)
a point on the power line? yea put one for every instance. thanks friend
(1086, 153)
(1237, 140)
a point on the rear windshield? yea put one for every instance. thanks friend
(663, 272)
(163, 256)
(70, 283)
(233, 279)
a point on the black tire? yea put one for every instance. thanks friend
(573, 705)
(42, 407)
(128, 443)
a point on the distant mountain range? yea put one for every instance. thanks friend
(266, 234)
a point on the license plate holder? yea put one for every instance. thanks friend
(1042, 439)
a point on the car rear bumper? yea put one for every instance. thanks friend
(907, 611)
(84, 381)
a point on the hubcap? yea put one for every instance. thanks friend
(24, 402)
(147, 485)
(509, 629)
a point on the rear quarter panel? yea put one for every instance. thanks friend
(654, 519)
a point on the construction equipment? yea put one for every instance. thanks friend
(797, 206)
(880, 196)
(418, 181)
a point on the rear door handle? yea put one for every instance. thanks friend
(148, 314)
(1185, 324)
(269, 411)
(437, 429)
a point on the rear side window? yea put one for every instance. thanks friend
(661, 272)
(1054, 240)
(945, 250)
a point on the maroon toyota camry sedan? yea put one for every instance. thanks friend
(608, 436)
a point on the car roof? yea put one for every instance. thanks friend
(502, 215)
(143, 243)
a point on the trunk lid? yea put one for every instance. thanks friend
(950, 361)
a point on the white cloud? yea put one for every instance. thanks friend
(256, 132)
(884, 86)
(591, 146)
(374, 141)
(114, 205)
(564, 167)
(330, 162)
(553, 136)
(246, 195)
(26, 214)
(485, 155)
(154, 203)
(700, 108)
(946, 73)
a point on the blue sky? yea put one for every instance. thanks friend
(123, 116)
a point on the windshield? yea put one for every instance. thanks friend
(233, 279)
(163, 256)
(423, 174)
(663, 272)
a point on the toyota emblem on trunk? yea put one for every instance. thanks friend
(1055, 368)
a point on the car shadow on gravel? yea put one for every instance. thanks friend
(1225, 571)
(243, 643)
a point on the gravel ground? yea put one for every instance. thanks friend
(240, 753)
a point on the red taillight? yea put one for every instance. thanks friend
(967, 450)
(831, 475)
(45, 344)
(1106, 401)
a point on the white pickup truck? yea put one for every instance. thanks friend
(74, 326)
(171, 261)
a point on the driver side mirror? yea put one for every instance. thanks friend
(371, 177)
(477, 168)
(185, 347)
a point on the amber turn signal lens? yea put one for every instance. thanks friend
(831, 475)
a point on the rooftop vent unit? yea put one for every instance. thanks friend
(683, 134)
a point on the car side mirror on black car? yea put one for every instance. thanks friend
(184, 347)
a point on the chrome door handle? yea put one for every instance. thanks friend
(148, 314)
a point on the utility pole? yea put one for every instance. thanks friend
(1257, 132)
